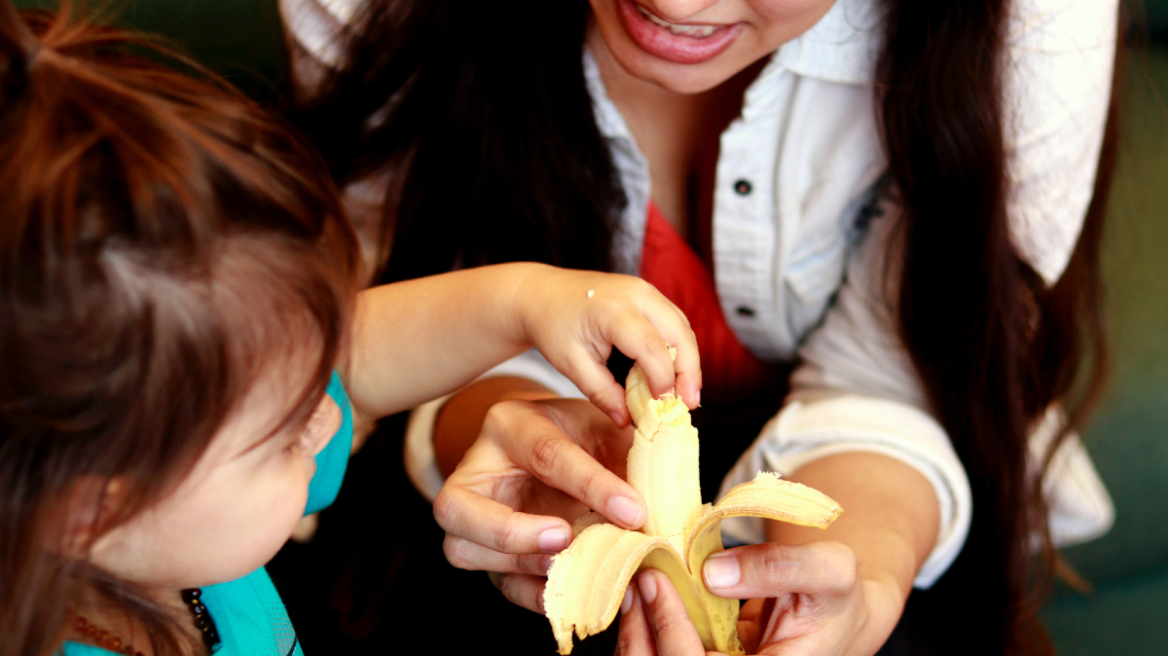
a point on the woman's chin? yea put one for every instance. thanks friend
(682, 82)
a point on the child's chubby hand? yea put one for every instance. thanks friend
(541, 462)
(576, 317)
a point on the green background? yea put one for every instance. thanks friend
(1128, 613)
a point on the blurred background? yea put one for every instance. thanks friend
(374, 575)
(1128, 611)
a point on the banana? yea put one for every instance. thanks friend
(587, 581)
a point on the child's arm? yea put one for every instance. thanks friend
(417, 340)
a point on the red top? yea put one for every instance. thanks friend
(729, 371)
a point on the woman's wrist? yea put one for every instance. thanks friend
(460, 420)
(884, 602)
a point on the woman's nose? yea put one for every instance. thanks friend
(676, 11)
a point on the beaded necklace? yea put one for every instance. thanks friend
(192, 597)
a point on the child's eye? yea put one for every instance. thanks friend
(296, 440)
(318, 419)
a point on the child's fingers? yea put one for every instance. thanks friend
(674, 327)
(464, 554)
(594, 379)
(640, 340)
(689, 376)
(469, 515)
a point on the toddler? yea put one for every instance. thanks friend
(184, 353)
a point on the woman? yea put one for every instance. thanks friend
(899, 198)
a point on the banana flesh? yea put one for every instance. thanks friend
(587, 581)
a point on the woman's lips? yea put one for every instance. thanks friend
(694, 45)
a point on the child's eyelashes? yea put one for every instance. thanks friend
(318, 418)
(296, 442)
(303, 437)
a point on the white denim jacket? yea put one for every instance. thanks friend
(799, 259)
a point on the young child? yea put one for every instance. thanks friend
(183, 359)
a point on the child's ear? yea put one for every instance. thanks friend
(82, 513)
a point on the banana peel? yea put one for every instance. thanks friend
(586, 582)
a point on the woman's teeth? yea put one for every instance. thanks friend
(696, 31)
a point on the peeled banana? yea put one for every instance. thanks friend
(587, 581)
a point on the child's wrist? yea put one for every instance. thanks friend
(528, 281)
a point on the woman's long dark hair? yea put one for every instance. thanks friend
(486, 123)
(993, 344)
(163, 244)
(479, 109)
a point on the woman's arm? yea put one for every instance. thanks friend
(461, 419)
(890, 524)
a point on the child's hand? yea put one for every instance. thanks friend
(575, 318)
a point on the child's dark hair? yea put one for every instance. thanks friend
(160, 238)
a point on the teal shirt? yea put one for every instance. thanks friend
(248, 611)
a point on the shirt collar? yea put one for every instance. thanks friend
(842, 47)
(608, 118)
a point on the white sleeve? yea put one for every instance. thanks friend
(420, 461)
(316, 31)
(855, 390)
(1058, 85)
(1080, 507)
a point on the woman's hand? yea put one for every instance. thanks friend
(576, 317)
(838, 591)
(538, 464)
(535, 467)
(804, 599)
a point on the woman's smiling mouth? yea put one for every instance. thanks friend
(679, 43)
(696, 31)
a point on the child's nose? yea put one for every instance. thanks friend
(325, 422)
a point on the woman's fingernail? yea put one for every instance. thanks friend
(698, 398)
(626, 510)
(722, 571)
(554, 539)
(617, 418)
(648, 586)
(627, 602)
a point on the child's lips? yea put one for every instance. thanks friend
(676, 42)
